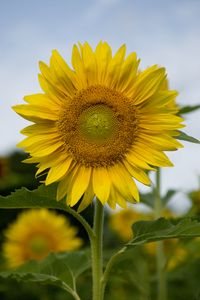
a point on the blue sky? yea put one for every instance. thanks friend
(162, 32)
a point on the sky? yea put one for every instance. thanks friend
(161, 32)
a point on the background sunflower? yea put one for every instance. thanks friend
(35, 234)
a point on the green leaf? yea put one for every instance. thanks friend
(187, 109)
(185, 137)
(147, 199)
(161, 229)
(61, 270)
(168, 196)
(130, 276)
(44, 196)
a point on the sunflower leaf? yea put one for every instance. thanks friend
(148, 199)
(187, 109)
(185, 137)
(61, 270)
(161, 229)
(167, 197)
(44, 196)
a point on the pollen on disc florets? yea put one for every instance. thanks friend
(98, 126)
(97, 123)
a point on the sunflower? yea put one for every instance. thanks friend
(175, 252)
(35, 234)
(121, 222)
(195, 197)
(99, 125)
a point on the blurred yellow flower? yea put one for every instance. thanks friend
(100, 125)
(175, 252)
(4, 167)
(35, 234)
(121, 222)
(195, 196)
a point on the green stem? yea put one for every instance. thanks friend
(96, 247)
(81, 220)
(109, 266)
(72, 292)
(160, 255)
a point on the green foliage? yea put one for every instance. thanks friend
(185, 137)
(167, 197)
(187, 278)
(188, 109)
(161, 229)
(61, 270)
(129, 276)
(15, 174)
(44, 196)
(149, 198)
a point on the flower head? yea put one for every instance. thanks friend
(121, 222)
(99, 124)
(175, 252)
(35, 234)
(195, 196)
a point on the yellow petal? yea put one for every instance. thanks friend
(57, 58)
(42, 128)
(128, 74)
(157, 127)
(64, 75)
(57, 172)
(34, 112)
(43, 100)
(79, 185)
(148, 118)
(161, 142)
(114, 68)
(117, 198)
(89, 62)
(50, 160)
(135, 161)
(50, 89)
(147, 84)
(45, 148)
(160, 99)
(103, 55)
(77, 63)
(30, 160)
(101, 184)
(137, 173)
(112, 198)
(151, 156)
(29, 141)
(87, 198)
(123, 182)
(63, 186)
(53, 80)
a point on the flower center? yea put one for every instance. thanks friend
(97, 123)
(39, 246)
(98, 126)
